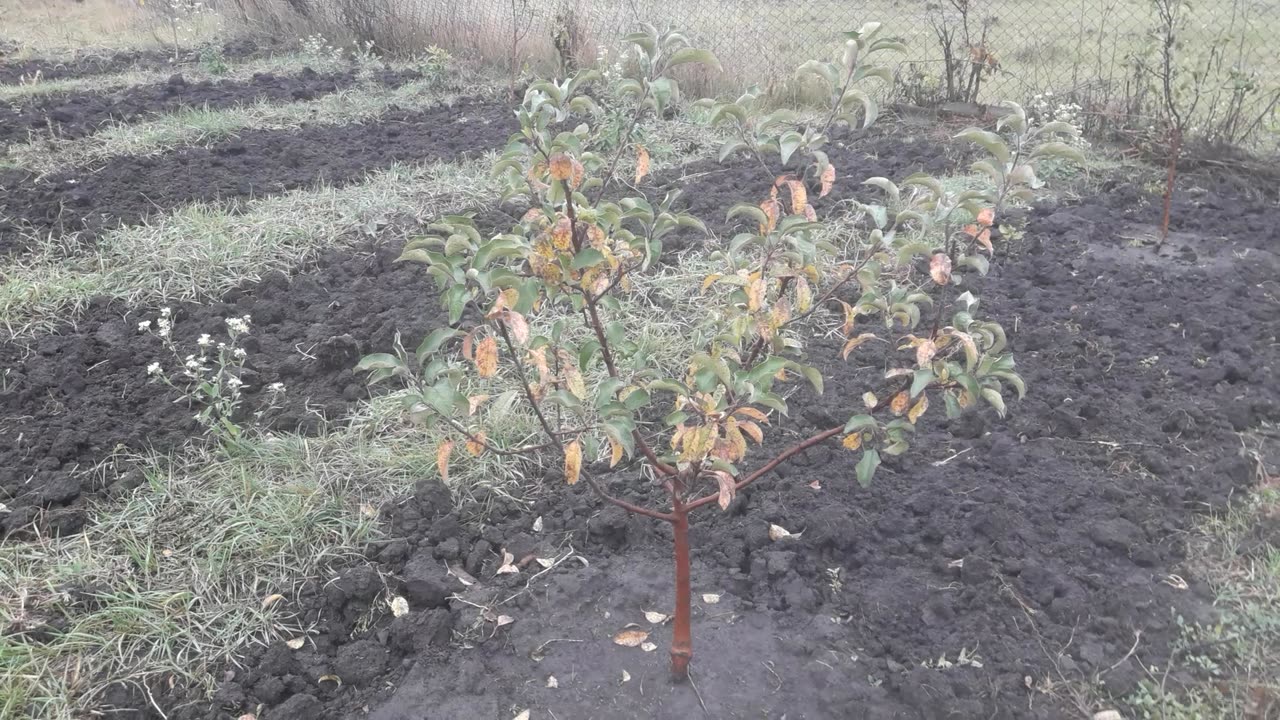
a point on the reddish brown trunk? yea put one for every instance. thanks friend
(1175, 147)
(681, 637)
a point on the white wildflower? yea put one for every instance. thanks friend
(144, 326)
(275, 388)
(165, 312)
(240, 353)
(234, 383)
(204, 340)
(153, 369)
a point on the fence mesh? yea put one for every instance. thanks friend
(1098, 53)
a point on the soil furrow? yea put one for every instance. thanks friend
(127, 190)
(17, 71)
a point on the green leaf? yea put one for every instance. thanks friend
(860, 422)
(669, 386)
(988, 141)
(992, 396)
(730, 147)
(810, 373)
(788, 143)
(636, 399)
(587, 257)
(867, 467)
(381, 361)
(586, 353)
(921, 380)
(417, 255)
(751, 211)
(685, 56)
(433, 342)
(1058, 150)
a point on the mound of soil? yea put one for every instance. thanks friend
(16, 71)
(77, 115)
(126, 190)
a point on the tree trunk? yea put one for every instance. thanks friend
(681, 637)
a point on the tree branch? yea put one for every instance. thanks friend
(629, 507)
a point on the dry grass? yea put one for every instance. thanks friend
(70, 28)
(203, 250)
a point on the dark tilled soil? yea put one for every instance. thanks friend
(15, 71)
(77, 115)
(1043, 545)
(128, 189)
(1041, 542)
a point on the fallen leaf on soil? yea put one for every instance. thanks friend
(270, 600)
(167, 552)
(626, 676)
(642, 163)
(552, 682)
(248, 716)
(504, 620)
(442, 459)
(508, 564)
(331, 678)
(630, 638)
(367, 510)
(710, 598)
(815, 485)
(656, 618)
(777, 532)
(463, 576)
(537, 524)
(572, 461)
(296, 643)
(399, 606)
(524, 715)
(648, 647)
(870, 400)
(545, 562)
(1107, 715)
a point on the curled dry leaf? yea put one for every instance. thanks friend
(940, 268)
(270, 600)
(572, 462)
(918, 409)
(474, 402)
(399, 606)
(648, 647)
(777, 532)
(727, 489)
(898, 404)
(1107, 715)
(518, 325)
(524, 715)
(296, 643)
(656, 618)
(626, 676)
(799, 197)
(870, 400)
(248, 716)
(463, 576)
(537, 524)
(508, 564)
(329, 678)
(368, 511)
(552, 682)
(852, 441)
(642, 163)
(710, 598)
(545, 562)
(503, 620)
(631, 638)
(828, 179)
(442, 459)
(816, 485)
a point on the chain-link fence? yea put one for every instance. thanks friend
(1103, 54)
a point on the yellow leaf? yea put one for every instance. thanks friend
(561, 167)
(710, 280)
(986, 217)
(804, 295)
(870, 400)
(852, 441)
(562, 234)
(772, 209)
(576, 173)
(631, 638)
(752, 413)
(737, 443)
(918, 409)
(642, 163)
(270, 600)
(755, 294)
(753, 430)
(615, 452)
(898, 404)
(475, 443)
(487, 357)
(850, 317)
(853, 343)
(810, 214)
(925, 352)
(799, 197)
(726, 490)
(442, 459)
(940, 268)
(828, 179)
(573, 462)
